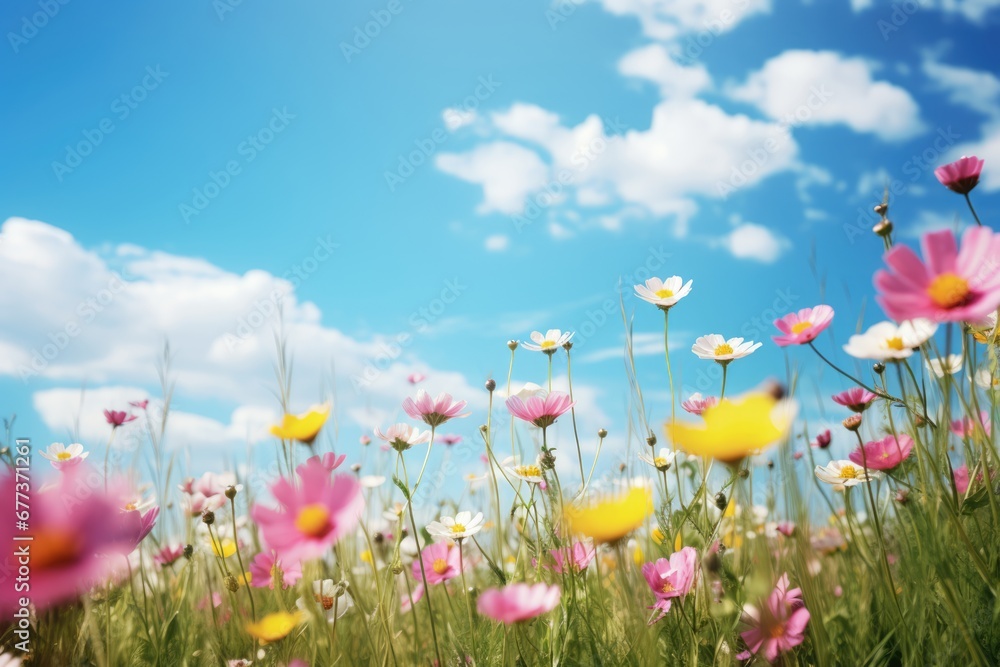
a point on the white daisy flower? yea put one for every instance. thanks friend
(550, 342)
(844, 473)
(531, 473)
(371, 481)
(663, 293)
(403, 436)
(950, 365)
(459, 527)
(62, 455)
(333, 601)
(887, 341)
(662, 461)
(987, 380)
(717, 348)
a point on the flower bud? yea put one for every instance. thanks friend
(356, 468)
(547, 460)
(208, 518)
(622, 467)
(902, 496)
(231, 583)
(230, 492)
(852, 423)
(602, 433)
(491, 384)
(512, 344)
(188, 551)
(721, 501)
(568, 345)
(882, 209)
(883, 228)
(378, 538)
(651, 440)
(397, 568)
(879, 367)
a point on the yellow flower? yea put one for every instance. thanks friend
(223, 547)
(274, 627)
(303, 428)
(658, 535)
(611, 518)
(735, 429)
(637, 555)
(246, 579)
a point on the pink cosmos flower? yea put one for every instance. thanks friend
(961, 476)
(433, 411)
(365, 440)
(266, 566)
(403, 436)
(518, 602)
(856, 399)
(697, 404)
(884, 454)
(777, 628)
(822, 441)
(328, 462)
(572, 559)
(118, 417)
(312, 516)
(542, 409)
(451, 439)
(137, 525)
(802, 327)
(441, 562)
(670, 578)
(168, 555)
(416, 378)
(967, 428)
(71, 522)
(786, 528)
(962, 175)
(955, 284)
(139, 404)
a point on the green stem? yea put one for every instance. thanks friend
(969, 202)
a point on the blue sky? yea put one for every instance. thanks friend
(462, 175)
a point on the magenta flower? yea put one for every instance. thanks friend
(451, 439)
(967, 428)
(542, 409)
(961, 477)
(441, 562)
(962, 175)
(71, 523)
(118, 417)
(267, 567)
(328, 462)
(955, 284)
(416, 378)
(856, 399)
(139, 404)
(884, 454)
(137, 525)
(572, 559)
(802, 327)
(408, 599)
(168, 555)
(779, 627)
(312, 516)
(670, 578)
(518, 602)
(822, 440)
(697, 404)
(433, 411)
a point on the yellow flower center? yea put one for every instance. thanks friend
(313, 520)
(366, 557)
(54, 549)
(440, 565)
(326, 601)
(62, 456)
(949, 290)
(894, 343)
(528, 471)
(129, 507)
(725, 348)
(799, 327)
(667, 587)
(547, 344)
(848, 472)
(777, 631)
(664, 293)
(659, 462)
(458, 528)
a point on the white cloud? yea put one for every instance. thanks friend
(497, 242)
(101, 319)
(754, 242)
(644, 344)
(456, 118)
(972, 10)
(861, 5)
(653, 63)
(507, 172)
(670, 19)
(825, 88)
(978, 90)
(691, 148)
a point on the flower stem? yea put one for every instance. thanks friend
(468, 599)
(722, 393)
(572, 412)
(877, 392)
(969, 202)
(239, 558)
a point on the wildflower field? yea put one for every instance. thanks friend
(729, 536)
